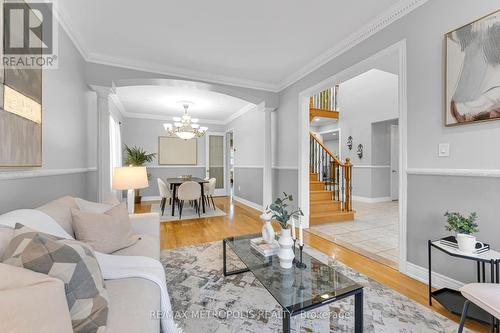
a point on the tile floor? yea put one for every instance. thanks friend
(373, 233)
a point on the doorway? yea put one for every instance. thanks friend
(398, 52)
(216, 161)
(230, 162)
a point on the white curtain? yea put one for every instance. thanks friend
(115, 150)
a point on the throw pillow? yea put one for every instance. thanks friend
(108, 232)
(70, 261)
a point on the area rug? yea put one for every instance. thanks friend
(188, 213)
(204, 300)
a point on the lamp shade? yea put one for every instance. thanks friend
(130, 178)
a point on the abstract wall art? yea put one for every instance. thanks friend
(473, 72)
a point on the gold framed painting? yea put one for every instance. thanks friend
(472, 72)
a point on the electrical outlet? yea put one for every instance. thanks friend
(444, 150)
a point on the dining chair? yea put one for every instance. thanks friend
(189, 191)
(209, 190)
(484, 295)
(165, 194)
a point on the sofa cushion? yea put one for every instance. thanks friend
(131, 302)
(60, 210)
(95, 207)
(106, 232)
(72, 262)
(6, 234)
(32, 302)
(146, 246)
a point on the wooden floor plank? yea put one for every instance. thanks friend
(241, 220)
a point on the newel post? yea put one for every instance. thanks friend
(348, 184)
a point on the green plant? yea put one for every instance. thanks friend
(136, 156)
(460, 224)
(281, 211)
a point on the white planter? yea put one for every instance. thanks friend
(285, 253)
(268, 233)
(466, 243)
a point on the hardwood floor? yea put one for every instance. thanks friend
(241, 220)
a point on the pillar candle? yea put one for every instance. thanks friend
(294, 237)
(301, 235)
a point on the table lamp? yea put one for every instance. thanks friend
(130, 179)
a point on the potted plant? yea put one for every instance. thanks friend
(136, 156)
(464, 229)
(281, 211)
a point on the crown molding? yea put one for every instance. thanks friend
(180, 72)
(394, 13)
(167, 118)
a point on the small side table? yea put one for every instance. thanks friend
(452, 300)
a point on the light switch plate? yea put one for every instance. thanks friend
(444, 150)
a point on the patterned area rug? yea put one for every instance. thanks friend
(188, 213)
(204, 300)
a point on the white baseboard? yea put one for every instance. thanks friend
(249, 203)
(371, 200)
(150, 198)
(438, 280)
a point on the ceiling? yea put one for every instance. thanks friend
(263, 44)
(162, 102)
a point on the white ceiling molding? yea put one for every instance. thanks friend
(180, 72)
(394, 13)
(241, 112)
(390, 16)
(161, 117)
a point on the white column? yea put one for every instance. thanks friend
(268, 171)
(103, 141)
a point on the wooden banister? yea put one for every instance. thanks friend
(336, 175)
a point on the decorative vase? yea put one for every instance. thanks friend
(285, 253)
(466, 243)
(268, 233)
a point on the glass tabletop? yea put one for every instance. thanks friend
(294, 289)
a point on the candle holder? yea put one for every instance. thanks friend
(294, 257)
(300, 264)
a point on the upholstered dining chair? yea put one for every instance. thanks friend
(484, 295)
(165, 194)
(189, 191)
(209, 191)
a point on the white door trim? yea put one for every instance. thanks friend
(303, 129)
(223, 191)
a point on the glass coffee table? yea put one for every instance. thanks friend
(296, 290)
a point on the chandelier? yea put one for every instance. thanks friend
(185, 127)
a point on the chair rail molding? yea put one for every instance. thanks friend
(485, 173)
(364, 166)
(11, 175)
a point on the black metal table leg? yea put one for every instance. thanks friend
(174, 195)
(492, 269)
(358, 311)
(430, 272)
(484, 271)
(224, 262)
(203, 197)
(478, 272)
(287, 320)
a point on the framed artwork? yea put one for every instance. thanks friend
(473, 72)
(20, 113)
(176, 151)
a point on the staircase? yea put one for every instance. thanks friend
(330, 186)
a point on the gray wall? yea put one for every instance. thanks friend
(425, 65)
(248, 184)
(65, 145)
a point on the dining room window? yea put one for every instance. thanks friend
(115, 150)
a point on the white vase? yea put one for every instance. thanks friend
(268, 233)
(466, 243)
(285, 253)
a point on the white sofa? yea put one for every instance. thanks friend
(132, 300)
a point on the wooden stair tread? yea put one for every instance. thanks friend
(325, 214)
(320, 191)
(324, 202)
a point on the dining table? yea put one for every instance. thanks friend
(176, 182)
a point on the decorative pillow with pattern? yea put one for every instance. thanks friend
(71, 261)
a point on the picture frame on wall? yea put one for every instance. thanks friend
(472, 74)
(176, 151)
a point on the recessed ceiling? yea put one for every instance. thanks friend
(162, 102)
(256, 42)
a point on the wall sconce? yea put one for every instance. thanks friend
(360, 151)
(349, 142)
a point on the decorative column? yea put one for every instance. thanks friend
(103, 142)
(268, 156)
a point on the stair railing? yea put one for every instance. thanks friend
(335, 174)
